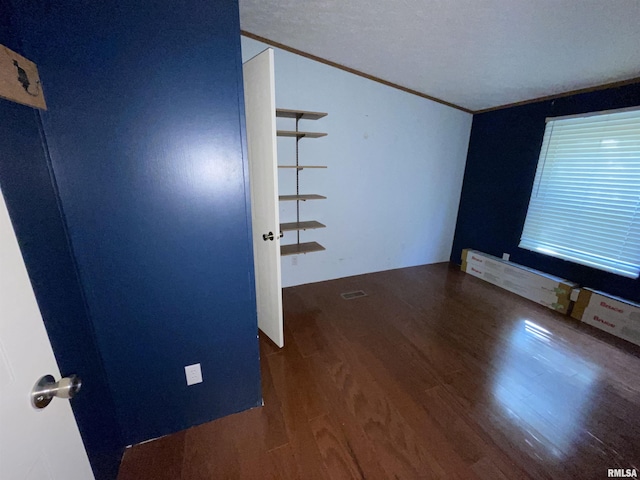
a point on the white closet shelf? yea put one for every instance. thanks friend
(311, 196)
(300, 114)
(299, 134)
(298, 225)
(293, 226)
(302, 167)
(298, 248)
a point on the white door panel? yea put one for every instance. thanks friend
(260, 108)
(34, 443)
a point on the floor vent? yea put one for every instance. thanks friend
(352, 295)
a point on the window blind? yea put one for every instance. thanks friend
(585, 202)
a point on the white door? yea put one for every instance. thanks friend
(260, 112)
(35, 444)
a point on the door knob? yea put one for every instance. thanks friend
(46, 388)
(270, 236)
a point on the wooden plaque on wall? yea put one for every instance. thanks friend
(19, 79)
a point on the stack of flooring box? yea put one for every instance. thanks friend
(552, 292)
(612, 314)
(615, 315)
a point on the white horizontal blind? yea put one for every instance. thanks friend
(585, 203)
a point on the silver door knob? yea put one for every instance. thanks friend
(46, 388)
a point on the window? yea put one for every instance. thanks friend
(585, 203)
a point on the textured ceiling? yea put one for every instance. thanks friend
(476, 54)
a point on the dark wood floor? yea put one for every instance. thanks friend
(435, 374)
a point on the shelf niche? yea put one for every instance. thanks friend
(302, 167)
(299, 248)
(299, 134)
(299, 114)
(294, 226)
(297, 226)
(301, 198)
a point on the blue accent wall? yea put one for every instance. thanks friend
(501, 165)
(145, 133)
(32, 202)
(30, 193)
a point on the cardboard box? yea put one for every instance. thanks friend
(615, 315)
(548, 290)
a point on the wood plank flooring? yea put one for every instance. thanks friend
(434, 374)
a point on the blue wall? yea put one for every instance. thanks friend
(145, 133)
(501, 165)
(30, 193)
(31, 199)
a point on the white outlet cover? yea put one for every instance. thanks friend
(506, 256)
(193, 374)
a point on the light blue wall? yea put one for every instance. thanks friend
(396, 163)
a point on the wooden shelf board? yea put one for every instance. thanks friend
(298, 248)
(293, 133)
(294, 226)
(284, 198)
(302, 114)
(302, 167)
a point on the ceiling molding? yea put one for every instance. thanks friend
(310, 56)
(620, 83)
(353, 71)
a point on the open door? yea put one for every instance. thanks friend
(260, 112)
(34, 443)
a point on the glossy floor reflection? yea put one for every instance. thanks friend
(544, 387)
(434, 374)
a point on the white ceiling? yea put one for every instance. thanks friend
(476, 54)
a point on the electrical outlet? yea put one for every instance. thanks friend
(505, 256)
(294, 260)
(193, 374)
